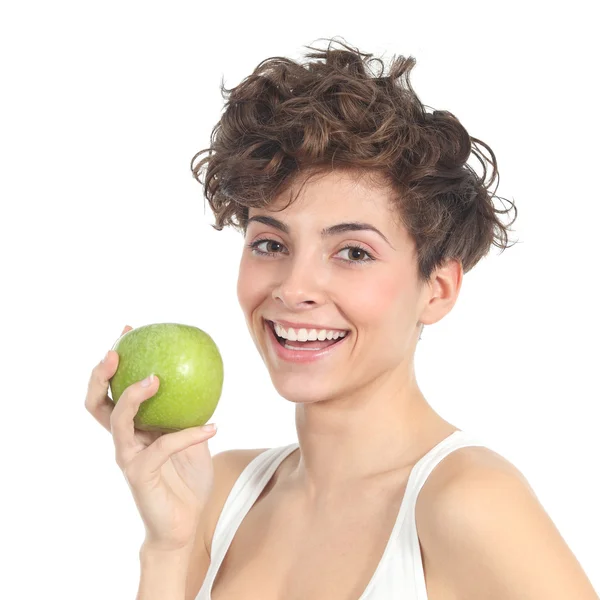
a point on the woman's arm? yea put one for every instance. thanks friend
(179, 575)
(163, 573)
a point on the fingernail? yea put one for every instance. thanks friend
(210, 427)
(148, 381)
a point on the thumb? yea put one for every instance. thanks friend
(157, 453)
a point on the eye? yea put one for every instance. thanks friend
(275, 247)
(355, 253)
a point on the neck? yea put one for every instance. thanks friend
(384, 426)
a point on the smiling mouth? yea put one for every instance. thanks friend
(300, 345)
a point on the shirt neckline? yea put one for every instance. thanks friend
(287, 450)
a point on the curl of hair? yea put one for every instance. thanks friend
(289, 118)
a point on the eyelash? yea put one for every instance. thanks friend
(254, 247)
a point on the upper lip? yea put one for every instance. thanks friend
(306, 326)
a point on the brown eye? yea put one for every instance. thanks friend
(356, 253)
(273, 246)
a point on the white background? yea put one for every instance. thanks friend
(102, 224)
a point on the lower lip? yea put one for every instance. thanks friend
(301, 356)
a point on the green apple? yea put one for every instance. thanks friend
(188, 365)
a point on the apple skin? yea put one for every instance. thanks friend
(189, 367)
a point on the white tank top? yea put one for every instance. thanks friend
(399, 573)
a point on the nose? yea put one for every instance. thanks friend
(301, 284)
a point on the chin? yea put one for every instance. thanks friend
(298, 392)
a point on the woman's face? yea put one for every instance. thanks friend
(370, 290)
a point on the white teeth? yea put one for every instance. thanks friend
(303, 335)
(301, 348)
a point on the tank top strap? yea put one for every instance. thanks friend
(244, 493)
(400, 571)
(424, 467)
(406, 551)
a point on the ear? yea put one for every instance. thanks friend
(442, 291)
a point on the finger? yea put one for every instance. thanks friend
(121, 420)
(147, 463)
(97, 401)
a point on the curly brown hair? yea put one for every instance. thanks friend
(288, 118)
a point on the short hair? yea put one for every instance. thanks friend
(290, 118)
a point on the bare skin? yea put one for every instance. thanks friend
(362, 421)
(304, 564)
(290, 542)
(320, 526)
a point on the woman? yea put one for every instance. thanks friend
(360, 216)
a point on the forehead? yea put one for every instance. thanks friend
(333, 195)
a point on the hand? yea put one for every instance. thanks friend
(170, 475)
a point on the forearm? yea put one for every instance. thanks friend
(163, 574)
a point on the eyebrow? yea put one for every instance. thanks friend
(327, 231)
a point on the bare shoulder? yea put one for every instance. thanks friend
(233, 462)
(462, 468)
(484, 533)
(228, 466)
(467, 462)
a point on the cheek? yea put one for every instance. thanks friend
(250, 290)
(375, 298)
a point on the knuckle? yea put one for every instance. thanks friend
(97, 385)
(90, 405)
(96, 377)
